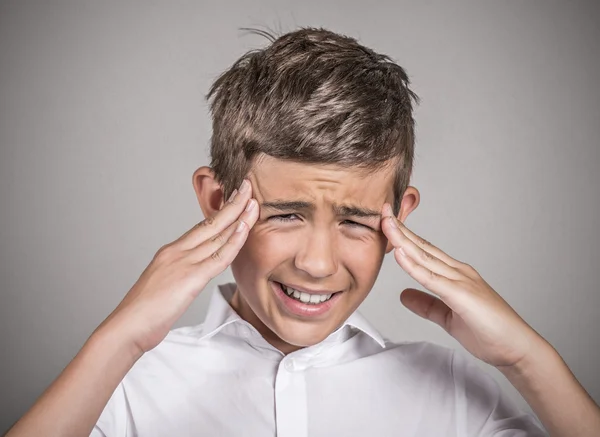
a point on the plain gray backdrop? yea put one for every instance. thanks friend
(103, 121)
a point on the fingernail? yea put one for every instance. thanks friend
(401, 251)
(232, 196)
(240, 227)
(245, 185)
(250, 205)
(393, 221)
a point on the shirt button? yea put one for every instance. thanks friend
(289, 365)
(245, 331)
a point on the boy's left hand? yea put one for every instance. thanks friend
(465, 306)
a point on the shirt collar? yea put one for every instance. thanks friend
(358, 321)
(221, 314)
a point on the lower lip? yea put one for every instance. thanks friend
(300, 308)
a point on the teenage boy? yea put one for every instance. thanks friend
(308, 189)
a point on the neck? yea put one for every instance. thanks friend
(240, 306)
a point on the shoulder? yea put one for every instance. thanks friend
(439, 362)
(192, 332)
(418, 348)
(180, 345)
(480, 405)
(153, 373)
(420, 363)
(423, 355)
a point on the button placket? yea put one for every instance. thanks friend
(291, 413)
(289, 365)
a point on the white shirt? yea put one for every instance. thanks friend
(222, 378)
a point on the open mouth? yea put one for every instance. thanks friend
(301, 296)
(304, 297)
(303, 304)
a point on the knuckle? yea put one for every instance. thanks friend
(423, 242)
(216, 256)
(468, 269)
(457, 273)
(425, 256)
(431, 277)
(164, 252)
(208, 222)
(218, 239)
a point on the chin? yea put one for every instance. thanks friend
(303, 337)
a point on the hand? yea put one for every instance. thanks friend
(179, 272)
(464, 304)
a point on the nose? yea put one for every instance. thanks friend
(317, 255)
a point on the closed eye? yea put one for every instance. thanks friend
(357, 225)
(294, 217)
(284, 217)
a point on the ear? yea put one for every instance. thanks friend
(208, 191)
(410, 201)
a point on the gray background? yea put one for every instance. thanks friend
(103, 121)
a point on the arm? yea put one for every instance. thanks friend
(82, 389)
(553, 392)
(178, 273)
(466, 307)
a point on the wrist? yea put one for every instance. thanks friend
(541, 354)
(552, 391)
(115, 342)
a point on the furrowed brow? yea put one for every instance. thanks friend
(342, 210)
(293, 205)
(356, 211)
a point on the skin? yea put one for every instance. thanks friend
(315, 247)
(321, 252)
(176, 275)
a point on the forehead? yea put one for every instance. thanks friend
(274, 178)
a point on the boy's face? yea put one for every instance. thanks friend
(318, 233)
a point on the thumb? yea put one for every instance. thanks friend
(427, 306)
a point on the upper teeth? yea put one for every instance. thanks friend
(305, 297)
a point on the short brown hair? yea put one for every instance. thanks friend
(312, 96)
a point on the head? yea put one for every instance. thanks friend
(323, 129)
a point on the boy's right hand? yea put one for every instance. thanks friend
(179, 272)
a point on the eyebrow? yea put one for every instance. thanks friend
(341, 210)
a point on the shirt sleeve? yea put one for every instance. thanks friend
(483, 409)
(113, 422)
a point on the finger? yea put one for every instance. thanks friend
(437, 283)
(421, 242)
(427, 306)
(211, 226)
(400, 240)
(206, 249)
(220, 259)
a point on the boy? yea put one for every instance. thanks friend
(312, 152)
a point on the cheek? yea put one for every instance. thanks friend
(267, 248)
(363, 260)
(263, 251)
